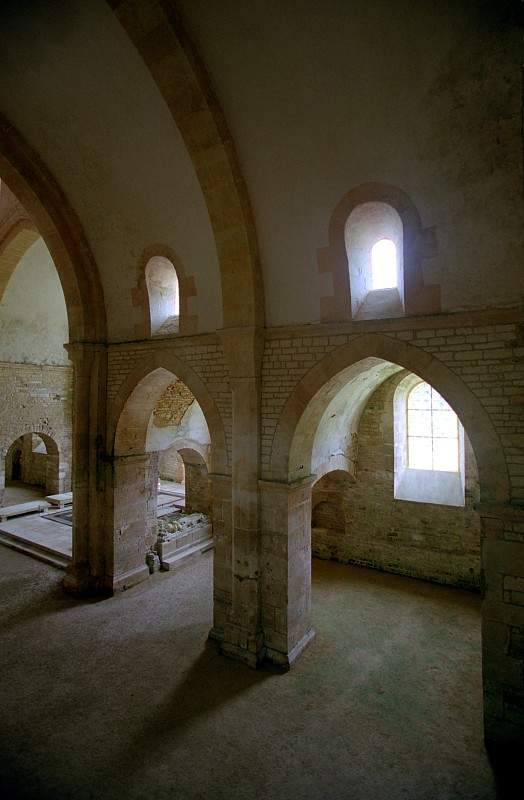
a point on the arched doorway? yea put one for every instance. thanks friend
(33, 459)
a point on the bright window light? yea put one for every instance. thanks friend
(384, 265)
(433, 434)
(176, 299)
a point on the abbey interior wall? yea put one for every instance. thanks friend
(362, 523)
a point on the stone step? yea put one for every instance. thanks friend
(35, 550)
(185, 553)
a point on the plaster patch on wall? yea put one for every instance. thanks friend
(172, 405)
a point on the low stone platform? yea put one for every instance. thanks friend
(182, 536)
(21, 509)
(40, 538)
(60, 500)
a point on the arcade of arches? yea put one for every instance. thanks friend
(195, 348)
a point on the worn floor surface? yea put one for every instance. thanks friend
(123, 698)
(18, 492)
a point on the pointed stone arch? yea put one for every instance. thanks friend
(15, 244)
(161, 368)
(313, 390)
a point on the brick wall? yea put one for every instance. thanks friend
(361, 522)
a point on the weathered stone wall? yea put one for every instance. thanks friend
(37, 399)
(362, 523)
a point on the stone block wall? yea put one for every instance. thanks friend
(37, 398)
(362, 523)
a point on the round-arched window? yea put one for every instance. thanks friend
(163, 291)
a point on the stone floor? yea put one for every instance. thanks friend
(124, 698)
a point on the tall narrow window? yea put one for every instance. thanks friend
(374, 241)
(384, 265)
(164, 300)
(433, 431)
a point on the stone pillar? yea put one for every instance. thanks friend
(286, 568)
(223, 554)
(198, 489)
(52, 474)
(132, 525)
(503, 624)
(88, 569)
(242, 632)
(27, 458)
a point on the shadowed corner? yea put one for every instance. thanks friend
(506, 762)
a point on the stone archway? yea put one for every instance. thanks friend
(132, 524)
(24, 463)
(315, 390)
(290, 504)
(49, 210)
